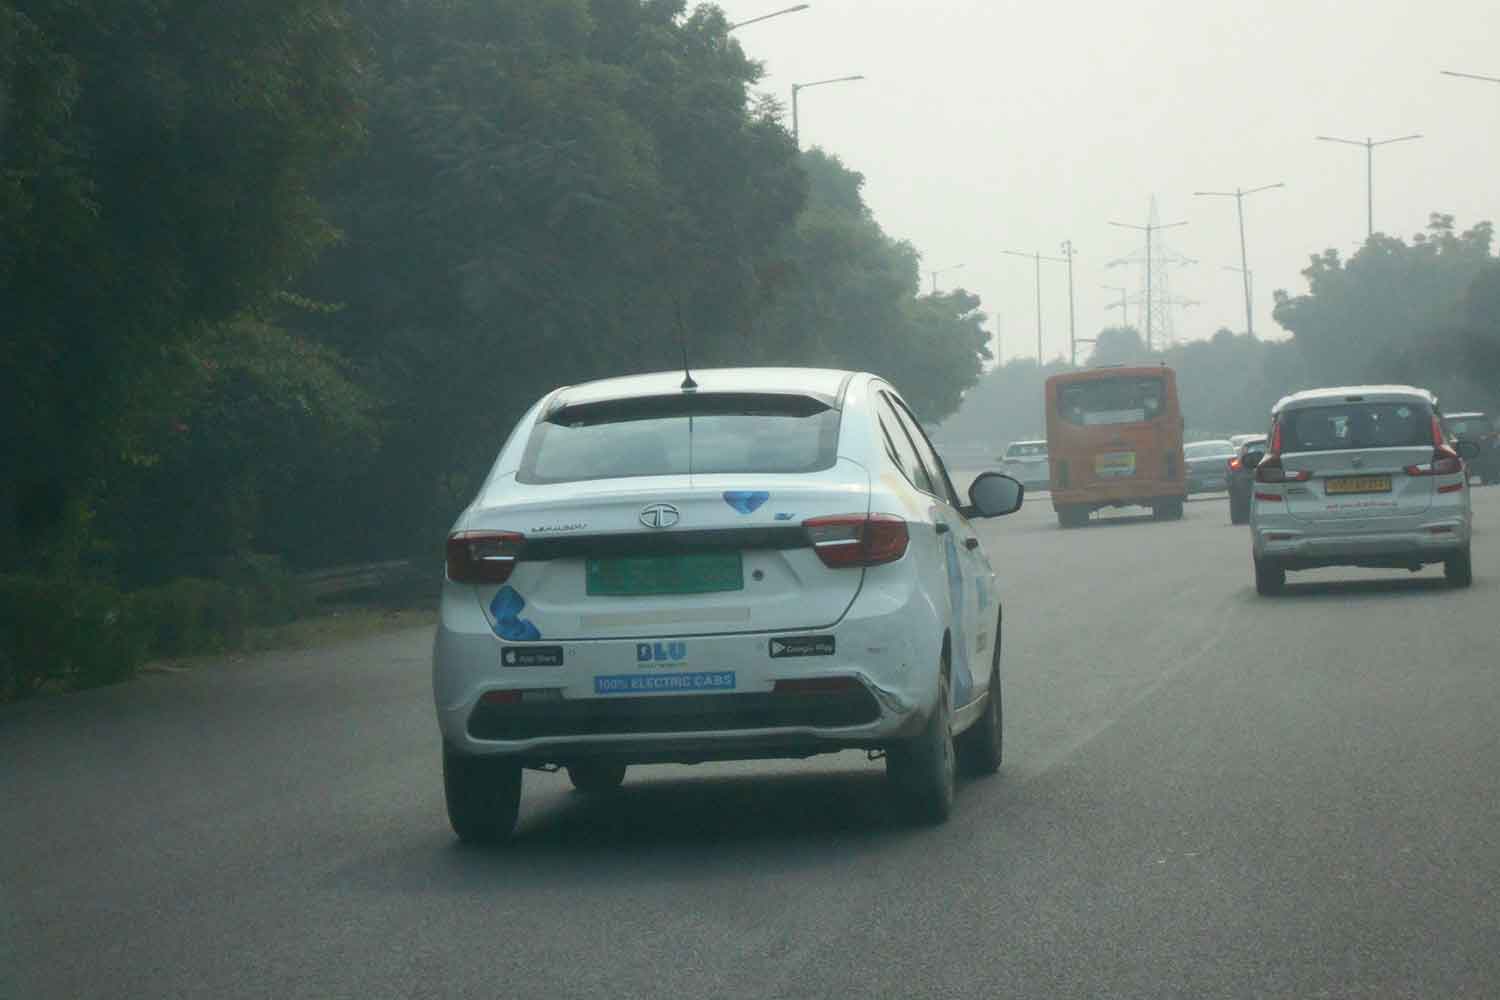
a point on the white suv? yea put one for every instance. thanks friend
(750, 563)
(1359, 476)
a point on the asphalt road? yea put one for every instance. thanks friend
(1206, 794)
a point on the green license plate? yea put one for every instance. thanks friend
(636, 576)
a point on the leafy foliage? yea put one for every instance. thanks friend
(155, 179)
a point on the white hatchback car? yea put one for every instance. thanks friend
(742, 563)
(1359, 476)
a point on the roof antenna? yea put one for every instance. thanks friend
(688, 385)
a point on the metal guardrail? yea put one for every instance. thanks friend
(340, 581)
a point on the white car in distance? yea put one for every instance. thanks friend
(732, 564)
(1027, 462)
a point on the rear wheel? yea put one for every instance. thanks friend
(980, 747)
(1269, 578)
(922, 769)
(1072, 516)
(483, 796)
(593, 777)
(1459, 569)
(1167, 510)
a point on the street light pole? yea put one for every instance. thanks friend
(942, 270)
(1038, 258)
(1249, 279)
(1148, 229)
(1239, 196)
(1067, 249)
(797, 88)
(1369, 146)
(767, 17)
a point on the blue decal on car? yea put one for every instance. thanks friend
(785, 517)
(746, 501)
(509, 625)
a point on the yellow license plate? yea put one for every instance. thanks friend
(1115, 463)
(1359, 484)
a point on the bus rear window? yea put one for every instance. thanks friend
(1128, 399)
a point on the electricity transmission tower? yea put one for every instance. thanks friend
(1156, 304)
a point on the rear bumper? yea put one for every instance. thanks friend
(1309, 548)
(889, 642)
(1206, 481)
(1134, 492)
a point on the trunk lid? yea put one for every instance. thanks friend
(1355, 485)
(671, 555)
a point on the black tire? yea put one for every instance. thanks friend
(1270, 578)
(483, 796)
(1072, 517)
(981, 747)
(1459, 569)
(1239, 509)
(594, 777)
(1167, 510)
(923, 769)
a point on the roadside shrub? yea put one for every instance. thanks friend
(190, 616)
(73, 632)
(273, 596)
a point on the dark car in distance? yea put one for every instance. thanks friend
(1484, 431)
(1241, 478)
(1205, 465)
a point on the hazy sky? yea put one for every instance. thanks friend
(990, 125)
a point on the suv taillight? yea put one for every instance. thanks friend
(1271, 471)
(483, 556)
(1445, 462)
(857, 539)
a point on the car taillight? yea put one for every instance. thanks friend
(1271, 471)
(1445, 462)
(1234, 464)
(483, 556)
(857, 539)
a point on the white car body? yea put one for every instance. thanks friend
(1407, 499)
(1026, 461)
(539, 671)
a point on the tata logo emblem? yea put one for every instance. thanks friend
(1357, 462)
(660, 515)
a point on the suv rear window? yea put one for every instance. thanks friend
(1356, 425)
(1127, 399)
(682, 434)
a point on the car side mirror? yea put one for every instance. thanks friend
(1252, 459)
(1467, 449)
(994, 494)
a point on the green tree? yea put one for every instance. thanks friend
(1360, 317)
(157, 161)
(553, 190)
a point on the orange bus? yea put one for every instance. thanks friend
(1114, 439)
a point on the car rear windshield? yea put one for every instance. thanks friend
(1025, 450)
(1343, 426)
(1127, 399)
(682, 434)
(1208, 449)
